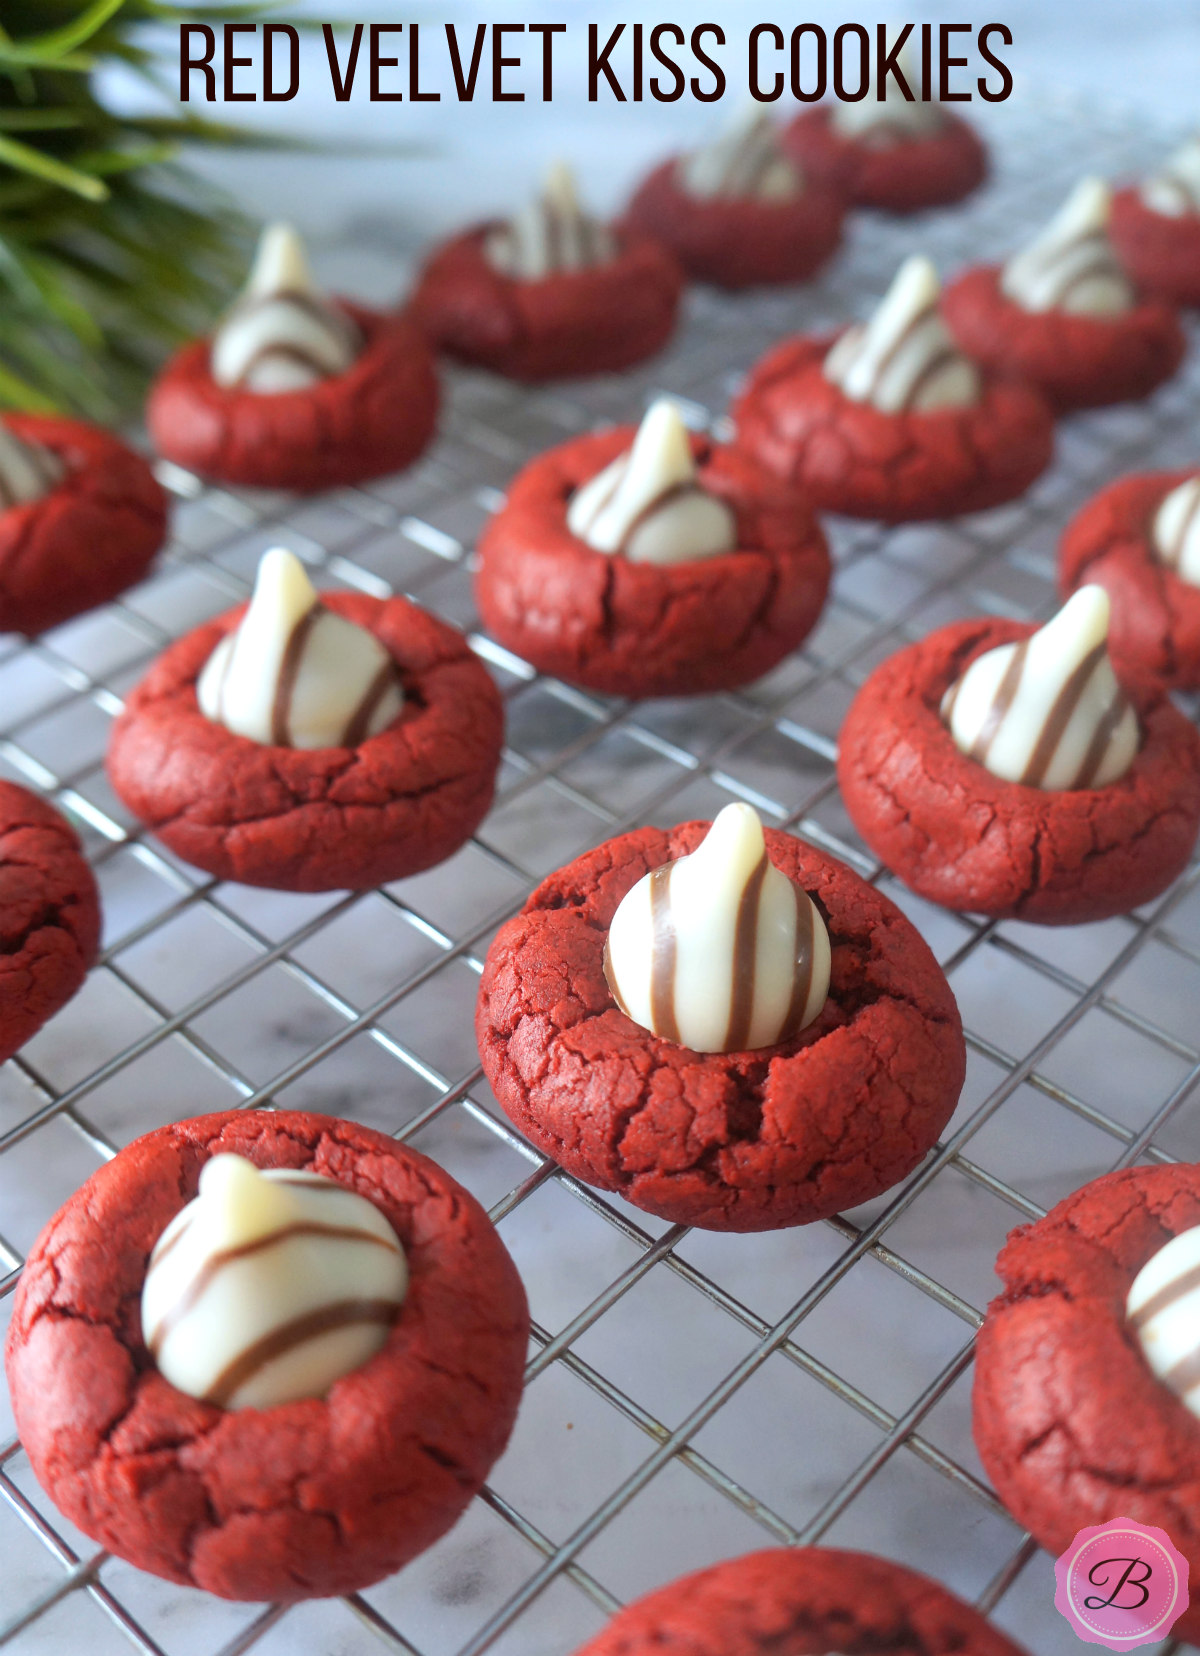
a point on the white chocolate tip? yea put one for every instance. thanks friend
(280, 264)
(559, 189)
(1086, 210)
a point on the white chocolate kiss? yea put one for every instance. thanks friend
(744, 163)
(1072, 266)
(1175, 191)
(1164, 1310)
(719, 951)
(1048, 712)
(647, 503)
(552, 234)
(27, 470)
(890, 119)
(294, 674)
(282, 333)
(904, 357)
(1175, 534)
(270, 1286)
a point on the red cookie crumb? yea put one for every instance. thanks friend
(92, 536)
(1076, 361)
(900, 177)
(592, 321)
(316, 819)
(1160, 253)
(738, 242)
(850, 457)
(969, 840)
(800, 1601)
(1071, 1424)
(373, 419)
(1155, 627)
(305, 1499)
(642, 629)
(49, 915)
(731, 1141)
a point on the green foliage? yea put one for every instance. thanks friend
(110, 251)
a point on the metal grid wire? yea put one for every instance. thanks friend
(690, 1396)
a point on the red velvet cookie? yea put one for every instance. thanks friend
(738, 241)
(1076, 361)
(733, 1141)
(300, 1500)
(316, 819)
(85, 541)
(851, 457)
(644, 629)
(900, 177)
(1155, 627)
(1071, 1424)
(1160, 252)
(49, 915)
(964, 838)
(592, 321)
(802, 1601)
(373, 419)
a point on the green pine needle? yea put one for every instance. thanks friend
(110, 253)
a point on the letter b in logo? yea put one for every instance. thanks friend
(1136, 1573)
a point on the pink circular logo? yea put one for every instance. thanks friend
(1122, 1584)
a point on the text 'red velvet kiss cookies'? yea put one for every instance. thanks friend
(550, 293)
(295, 390)
(729, 1029)
(889, 419)
(1001, 769)
(268, 1354)
(311, 743)
(81, 516)
(651, 563)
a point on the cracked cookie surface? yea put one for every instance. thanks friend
(969, 840)
(373, 419)
(803, 1601)
(301, 1500)
(643, 629)
(904, 177)
(592, 321)
(317, 819)
(736, 1140)
(90, 537)
(1076, 361)
(738, 241)
(49, 915)
(1071, 1424)
(1154, 631)
(851, 457)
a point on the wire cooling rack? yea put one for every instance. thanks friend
(690, 1396)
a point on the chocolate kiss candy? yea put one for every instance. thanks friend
(719, 951)
(282, 334)
(294, 674)
(904, 357)
(1163, 1309)
(27, 470)
(1072, 265)
(270, 1286)
(647, 503)
(1048, 712)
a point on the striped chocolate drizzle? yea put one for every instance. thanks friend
(1054, 721)
(217, 1262)
(341, 332)
(1099, 261)
(324, 1320)
(1165, 1298)
(665, 497)
(941, 354)
(744, 980)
